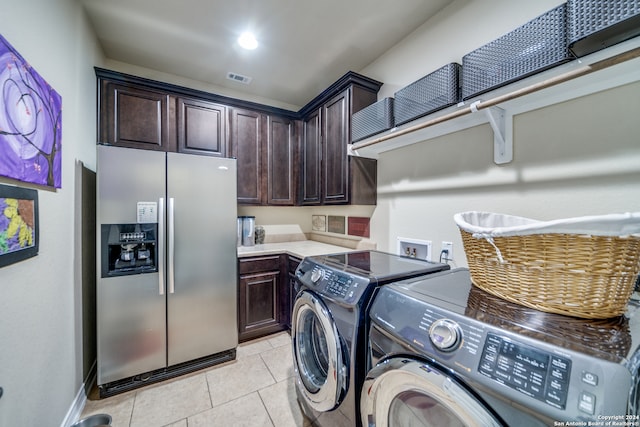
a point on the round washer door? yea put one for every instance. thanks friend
(401, 392)
(321, 372)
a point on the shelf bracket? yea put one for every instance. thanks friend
(502, 124)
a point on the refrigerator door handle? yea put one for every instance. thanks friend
(160, 255)
(170, 243)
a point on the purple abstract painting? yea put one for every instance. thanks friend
(30, 122)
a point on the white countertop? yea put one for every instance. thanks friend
(299, 249)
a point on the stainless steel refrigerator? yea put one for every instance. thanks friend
(166, 264)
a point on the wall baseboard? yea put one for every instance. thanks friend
(75, 410)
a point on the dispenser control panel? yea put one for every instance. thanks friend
(128, 249)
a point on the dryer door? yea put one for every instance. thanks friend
(319, 362)
(402, 391)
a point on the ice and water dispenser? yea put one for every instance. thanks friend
(129, 249)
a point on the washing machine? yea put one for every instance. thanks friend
(329, 324)
(446, 353)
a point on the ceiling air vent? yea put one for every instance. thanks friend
(239, 78)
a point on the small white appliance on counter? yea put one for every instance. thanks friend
(166, 265)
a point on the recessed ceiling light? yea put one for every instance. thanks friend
(248, 41)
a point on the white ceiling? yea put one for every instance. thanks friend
(304, 45)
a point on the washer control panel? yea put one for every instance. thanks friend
(337, 284)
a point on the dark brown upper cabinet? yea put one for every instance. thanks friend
(137, 113)
(329, 175)
(284, 158)
(246, 146)
(336, 137)
(136, 117)
(282, 161)
(311, 155)
(266, 149)
(202, 127)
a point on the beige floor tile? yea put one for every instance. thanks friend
(282, 404)
(119, 407)
(279, 361)
(246, 411)
(229, 382)
(171, 402)
(184, 401)
(252, 347)
(277, 340)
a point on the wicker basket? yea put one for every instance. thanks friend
(582, 267)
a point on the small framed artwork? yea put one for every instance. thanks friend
(18, 224)
(358, 226)
(335, 224)
(318, 223)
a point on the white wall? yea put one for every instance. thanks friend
(160, 76)
(301, 215)
(41, 351)
(576, 158)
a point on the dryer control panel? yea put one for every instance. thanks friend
(529, 370)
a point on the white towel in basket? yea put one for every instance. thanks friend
(488, 224)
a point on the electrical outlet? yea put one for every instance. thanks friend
(448, 246)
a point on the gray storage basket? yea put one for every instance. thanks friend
(429, 94)
(533, 47)
(597, 24)
(371, 120)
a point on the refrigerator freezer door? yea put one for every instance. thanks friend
(202, 304)
(131, 312)
(125, 177)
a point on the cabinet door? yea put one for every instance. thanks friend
(281, 158)
(311, 147)
(259, 313)
(136, 117)
(336, 137)
(202, 127)
(246, 146)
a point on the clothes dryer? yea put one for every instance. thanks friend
(447, 354)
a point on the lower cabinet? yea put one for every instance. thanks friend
(263, 300)
(265, 294)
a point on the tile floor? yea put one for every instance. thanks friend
(256, 389)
